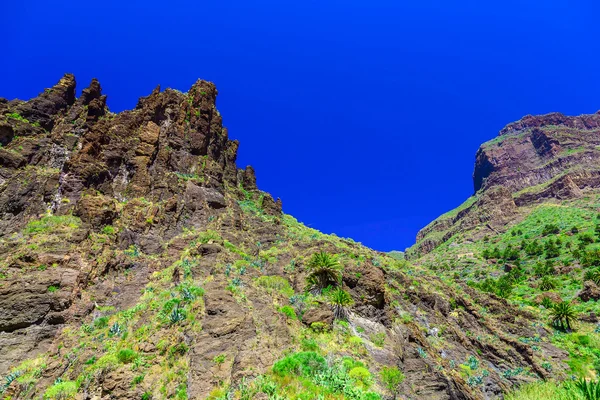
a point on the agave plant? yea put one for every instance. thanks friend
(323, 271)
(340, 300)
(563, 315)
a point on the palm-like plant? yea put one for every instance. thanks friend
(547, 283)
(592, 275)
(563, 315)
(339, 300)
(323, 271)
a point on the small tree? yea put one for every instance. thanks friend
(392, 377)
(323, 271)
(563, 315)
(339, 300)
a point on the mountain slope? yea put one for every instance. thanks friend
(137, 261)
(530, 233)
(534, 160)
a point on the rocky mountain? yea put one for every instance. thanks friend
(138, 262)
(537, 159)
(530, 235)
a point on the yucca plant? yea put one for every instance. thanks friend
(323, 271)
(563, 315)
(340, 300)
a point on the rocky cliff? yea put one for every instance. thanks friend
(537, 159)
(137, 261)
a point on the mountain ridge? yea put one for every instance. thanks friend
(138, 261)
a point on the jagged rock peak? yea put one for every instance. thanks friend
(171, 144)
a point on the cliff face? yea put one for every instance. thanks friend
(137, 261)
(536, 159)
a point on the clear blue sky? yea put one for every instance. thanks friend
(363, 116)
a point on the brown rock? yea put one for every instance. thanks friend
(322, 314)
(590, 291)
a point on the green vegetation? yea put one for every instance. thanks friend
(581, 389)
(340, 300)
(563, 315)
(323, 271)
(314, 377)
(19, 117)
(289, 312)
(539, 265)
(392, 377)
(275, 284)
(50, 223)
(126, 356)
(61, 391)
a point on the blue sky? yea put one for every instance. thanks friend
(363, 116)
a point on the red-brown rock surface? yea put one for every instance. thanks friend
(536, 159)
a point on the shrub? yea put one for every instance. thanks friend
(109, 230)
(101, 322)
(510, 253)
(309, 345)
(542, 269)
(61, 391)
(547, 283)
(586, 238)
(319, 327)
(552, 249)
(50, 223)
(289, 312)
(323, 271)
(275, 283)
(550, 229)
(220, 359)
(378, 339)
(392, 377)
(534, 248)
(126, 356)
(361, 374)
(303, 364)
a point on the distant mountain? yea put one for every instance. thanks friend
(538, 159)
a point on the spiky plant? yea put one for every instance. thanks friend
(547, 283)
(563, 315)
(340, 300)
(547, 303)
(589, 389)
(592, 275)
(323, 271)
